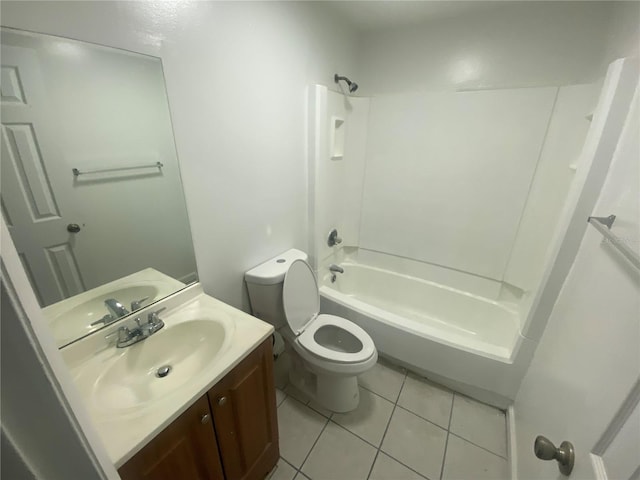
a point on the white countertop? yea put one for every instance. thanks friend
(125, 432)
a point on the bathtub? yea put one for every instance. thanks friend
(456, 338)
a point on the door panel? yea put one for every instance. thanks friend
(34, 180)
(186, 449)
(583, 384)
(244, 412)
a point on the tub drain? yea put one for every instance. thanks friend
(163, 371)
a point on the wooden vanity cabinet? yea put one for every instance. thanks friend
(244, 413)
(237, 440)
(186, 449)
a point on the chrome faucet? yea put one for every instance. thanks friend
(333, 268)
(116, 309)
(130, 336)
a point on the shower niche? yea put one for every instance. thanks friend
(336, 146)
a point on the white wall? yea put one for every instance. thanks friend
(447, 174)
(335, 183)
(236, 75)
(512, 45)
(587, 360)
(518, 44)
(35, 419)
(623, 39)
(13, 463)
(559, 160)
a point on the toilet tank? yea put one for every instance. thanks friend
(264, 283)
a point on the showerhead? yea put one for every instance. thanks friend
(353, 86)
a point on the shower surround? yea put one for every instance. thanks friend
(447, 203)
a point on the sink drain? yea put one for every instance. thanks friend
(163, 371)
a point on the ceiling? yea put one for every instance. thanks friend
(372, 15)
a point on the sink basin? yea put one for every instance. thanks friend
(131, 380)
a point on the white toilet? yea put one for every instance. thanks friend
(329, 352)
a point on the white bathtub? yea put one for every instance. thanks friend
(459, 339)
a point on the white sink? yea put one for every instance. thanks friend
(203, 339)
(124, 381)
(131, 380)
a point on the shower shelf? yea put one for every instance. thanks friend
(603, 225)
(337, 138)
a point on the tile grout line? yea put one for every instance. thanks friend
(446, 443)
(314, 443)
(479, 446)
(330, 419)
(377, 448)
(423, 418)
(290, 464)
(299, 470)
(377, 394)
(406, 375)
(395, 405)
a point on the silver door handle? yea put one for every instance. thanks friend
(564, 454)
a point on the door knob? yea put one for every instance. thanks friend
(204, 419)
(73, 228)
(564, 454)
(222, 401)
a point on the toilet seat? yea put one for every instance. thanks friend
(301, 301)
(307, 340)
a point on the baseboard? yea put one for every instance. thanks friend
(511, 442)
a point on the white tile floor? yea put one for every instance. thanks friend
(405, 428)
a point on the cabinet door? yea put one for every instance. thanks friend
(185, 450)
(244, 413)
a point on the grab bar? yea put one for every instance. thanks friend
(77, 172)
(603, 225)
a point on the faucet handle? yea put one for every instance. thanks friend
(106, 320)
(333, 238)
(136, 304)
(153, 316)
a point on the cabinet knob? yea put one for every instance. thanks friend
(222, 401)
(204, 419)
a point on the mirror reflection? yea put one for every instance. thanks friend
(91, 189)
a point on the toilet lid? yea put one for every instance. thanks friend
(300, 296)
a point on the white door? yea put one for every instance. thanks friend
(583, 384)
(33, 179)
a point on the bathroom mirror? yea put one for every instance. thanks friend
(91, 189)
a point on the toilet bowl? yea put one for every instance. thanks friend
(329, 352)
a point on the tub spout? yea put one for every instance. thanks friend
(335, 268)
